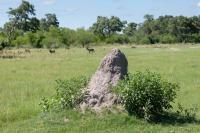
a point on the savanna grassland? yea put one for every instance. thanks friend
(24, 81)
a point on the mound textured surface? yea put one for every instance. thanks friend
(112, 68)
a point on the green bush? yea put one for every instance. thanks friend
(146, 94)
(167, 39)
(20, 41)
(121, 39)
(144, 40)
(84, 37)
(68, 94)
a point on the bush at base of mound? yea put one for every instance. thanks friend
(146, 94)
(68, 95)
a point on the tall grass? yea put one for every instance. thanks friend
(24, 81)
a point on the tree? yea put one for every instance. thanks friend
(101, 27)
(84, 37)
(53, 38)
(50, 20)
(34, 24)
(105, 27)
(130, 29)
(116, 25)
(10, 32)
(148, 17)
(68, 36)
(20, 16)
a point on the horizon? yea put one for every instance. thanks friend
(76, 14)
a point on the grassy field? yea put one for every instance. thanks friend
(23, 81)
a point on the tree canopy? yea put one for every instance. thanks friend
(24, 28)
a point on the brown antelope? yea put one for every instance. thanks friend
(90, 50)
(27, 50)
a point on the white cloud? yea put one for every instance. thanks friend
(72, 9)
(49, 2)
(198, 4)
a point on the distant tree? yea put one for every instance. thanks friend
(50, 20)
(106, 27)
(130, 29)
(68, 37)
(11, 32)
(53, 38)
(20, 16)
(2, 41)
(148, 17)
(34, 24)
(84, 37)
(101, 27)
(116, 25)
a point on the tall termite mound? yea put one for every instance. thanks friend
(112, 68)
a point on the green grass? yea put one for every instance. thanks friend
(24, 81)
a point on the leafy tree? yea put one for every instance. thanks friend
(101, 27)
(106, 27)
(10, 32)
(116, 25)
(20, 16)
(130, 29)
(2, 41)
(34, 24)
(50, 20)
(53, 38)
(148, 17)
(68, 36)
(84, 37)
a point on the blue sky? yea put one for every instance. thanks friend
(82, 13)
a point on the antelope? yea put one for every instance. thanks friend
(52, 51)
(90, 50)
(27, 50)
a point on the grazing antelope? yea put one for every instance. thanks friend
(20, 53)
(27, 50)
(52, 51)
(90, 50)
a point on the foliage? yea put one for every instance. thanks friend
(167, 39)
(68, 37)
(52, 38)
(20, 16)
(84, 37)
(130, 29)
(105, 27)
(20, 41)
(146, 94)
(46, 32)
(50, 20)
(121, 39)
(68, 94)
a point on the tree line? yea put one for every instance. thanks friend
(24, 29)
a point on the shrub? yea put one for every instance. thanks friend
(144, 40)
(84, 37)
(121, 39)
(20, 40)
(146, 94)
(167, 39)
(68, 94)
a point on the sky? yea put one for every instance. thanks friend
(83, 13)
